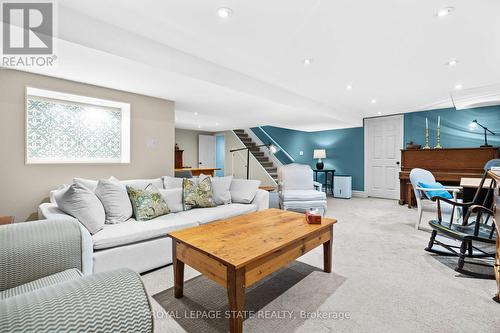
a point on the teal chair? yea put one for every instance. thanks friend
(43, 289)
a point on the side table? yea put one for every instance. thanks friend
(327, 185)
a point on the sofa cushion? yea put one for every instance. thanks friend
(114, 198)
(143, 183)
(197, 195)
(220, 188)
(173, 198)
(147, 203)
(302, 195)
(81, 203)
(89, 183)
(243, 190)
(133, 231)
(206, 215)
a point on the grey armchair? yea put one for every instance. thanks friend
(43, 289)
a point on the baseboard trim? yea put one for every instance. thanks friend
(359, 194)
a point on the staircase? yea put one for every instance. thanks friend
(267, 164)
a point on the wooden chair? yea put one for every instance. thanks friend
(477, 227)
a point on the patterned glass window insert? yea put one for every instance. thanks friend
(65, 132)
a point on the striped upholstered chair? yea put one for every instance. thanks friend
(43, 289)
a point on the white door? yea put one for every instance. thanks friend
(383, 144)
(206, 151)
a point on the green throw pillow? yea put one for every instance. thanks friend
(147, 203)
(200, 195)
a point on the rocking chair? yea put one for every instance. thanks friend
(480, 229)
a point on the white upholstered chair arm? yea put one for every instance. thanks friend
(318, 186)
(261, 199)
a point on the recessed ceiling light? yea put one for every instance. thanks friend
(216, 124)
(307, 61)
(374, 101)
(458, 86)
(199, 126)
(196, 113)
(379, 113)
(348, 87)
(224, 12)
(445, 11)
(452, 62)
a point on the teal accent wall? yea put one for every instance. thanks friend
(455, 131)
(344, 149)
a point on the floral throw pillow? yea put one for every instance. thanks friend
(147, 203)
(197, 195)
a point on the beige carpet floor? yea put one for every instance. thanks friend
(382, 281)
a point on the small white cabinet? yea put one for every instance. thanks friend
(343, 186)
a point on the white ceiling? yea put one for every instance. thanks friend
(248, 70)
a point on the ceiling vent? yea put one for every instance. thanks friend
(476, 97)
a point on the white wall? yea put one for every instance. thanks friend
(187, 140)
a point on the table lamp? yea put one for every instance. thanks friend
(319, 154)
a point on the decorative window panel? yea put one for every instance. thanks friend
(65, 130)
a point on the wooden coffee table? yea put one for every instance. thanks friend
(240, 251)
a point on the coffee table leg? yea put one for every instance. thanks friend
(236, 295)
(178, 272)
(327, 254)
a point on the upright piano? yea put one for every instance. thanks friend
(448, 165)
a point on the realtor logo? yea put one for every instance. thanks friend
(28, 28)
(28, 34)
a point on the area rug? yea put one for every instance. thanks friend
(279, 303)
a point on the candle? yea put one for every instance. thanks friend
(426, 123)
(439, 120)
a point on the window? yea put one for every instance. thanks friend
(65, 128)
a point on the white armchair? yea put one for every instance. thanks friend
(298, 191)
(423, 203)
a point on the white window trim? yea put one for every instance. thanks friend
(74, 99)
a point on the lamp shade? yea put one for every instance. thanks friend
(319, 153)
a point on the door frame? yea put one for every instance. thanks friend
(366, 149)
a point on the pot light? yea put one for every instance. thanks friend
(445, 11)
(379, 113)
(307, 61)
(348, 87)
(373, 101)
(452, 62)
(199, 126)
(216, 124)
(196, 113)
(458, 86)
(224, 12)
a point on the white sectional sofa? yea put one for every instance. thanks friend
(144, 245)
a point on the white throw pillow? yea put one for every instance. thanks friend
(243, 190)
(174, 182)
(89, 183)
(115, 200)
(81, 203)
(220, 189)
(173, 198)
(143, 183)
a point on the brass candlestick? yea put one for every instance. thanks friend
(426, 139)
(438, 144)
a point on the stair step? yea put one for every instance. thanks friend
(271, 170)
(263, 159)
(242, 135)
(273, 175)
(267, 164)
(245, 139)
(257, 153)
(237, 131)
(250, 144)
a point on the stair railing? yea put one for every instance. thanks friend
(271, 140)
